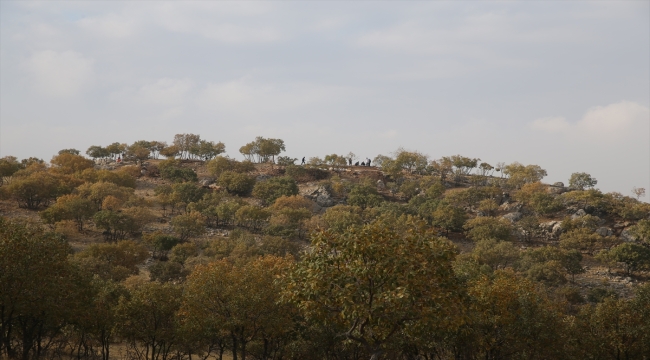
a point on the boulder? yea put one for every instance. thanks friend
(556, 190)
(548, 226)
(513, 216)
(318, 194)
(511, 206)
(552, 229)
(627, 237)
(206, 182)
(558, 184)
(604, 231)
(580, 213)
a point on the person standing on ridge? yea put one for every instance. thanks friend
(303, 161)
(369, 161)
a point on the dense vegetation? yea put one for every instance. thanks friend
(203, 256)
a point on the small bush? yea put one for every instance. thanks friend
(274, 188)
(236, 183)
(220, 164)
(305, 174)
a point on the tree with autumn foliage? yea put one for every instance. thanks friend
(379, 284)
(239, 301)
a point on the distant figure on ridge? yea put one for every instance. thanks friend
(369, 162)
(303, 161)
(356, 163)
(350, 161)
(363, 163)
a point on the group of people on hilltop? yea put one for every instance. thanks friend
(363, 163)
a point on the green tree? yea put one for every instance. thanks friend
(39, 290)
(239, 301)
(116, 224)
(207, 150)
(69, 163)
(185, 143)
(189, 225)
(379, 284)
(220, 164)
(147, 319)
(496, 254)
(39, 189)
(171, 170)
(114, 261)
(70, 207)
(9, 165)
(274, 188)
(634, 256)
(582, 181)
(364, 196)
(483, 227)
(235, 183)
(449, 218)
(518, 174)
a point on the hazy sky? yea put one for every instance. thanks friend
(565, 85)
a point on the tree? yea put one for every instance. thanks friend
(519, 174)
(171, 170)
(274, 188)
(262, 149)
(235, 183)
(116, 149)
(170, 152)
(8, 166)
(116, 224)
(496, 254)
(449, 218)
(185, 143)
(189, 225)
(160, 244)
(139, 151)
(585, 239)
(270, 148)
(378, 284)
(220, 164)
(638, 192)
(186, 193)
(40, 188)
(114, 261)
(240, 302)
(70, 207)
(582, 181)
(510, 318)
(39, 290)
(147, 319)
(641, 231)
(99, 191)
(364, 196)
(207, 150)
(483, 228)
(97, 152)
(252, 216)
(634, 256)
(69, 163)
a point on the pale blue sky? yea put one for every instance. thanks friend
(565, 85)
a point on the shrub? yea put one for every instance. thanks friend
(364, 196)
(220, 164)
(274, 188)
(483, 228)
(189, 225)
(171, 170)
(236, 183)
(305, 174)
